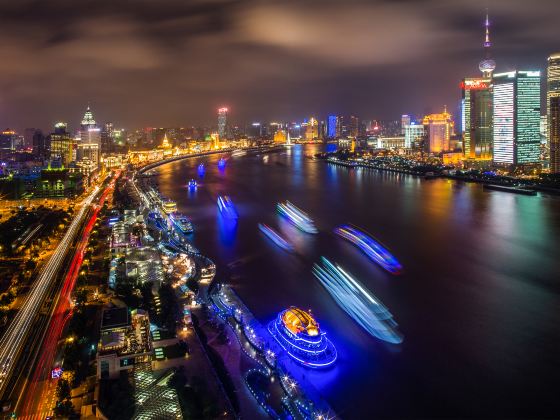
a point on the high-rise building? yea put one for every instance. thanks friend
(552, 110)
(7, 143)
(438, 129)
(28, 134)
(89, 132)
(413, 135)
(516, 98)
(332, 122)
(476, 107)
(40, 145)
(62, 145)
(311, 129)
(107, 142)
(222, 122)
(405, 120)
(477, 118)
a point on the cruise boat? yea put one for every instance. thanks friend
(226, 207)
(221, 163)
(369, 246)
(358, 302)
(192, 184)
(201, 170)
(169, 206)
(181, 222)
(299, 334)
(275, 237)
(297, 217)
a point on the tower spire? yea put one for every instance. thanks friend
(487, 65)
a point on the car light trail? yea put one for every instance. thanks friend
(62, 313)
(357, 301)
(14, 338)
(369, 246)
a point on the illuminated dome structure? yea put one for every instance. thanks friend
(487, 66)
(300, 336)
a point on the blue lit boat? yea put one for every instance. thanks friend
(221, 163)
(201, 170)
(275, 237)
(192, 184)
(226, 207)
(373, 249)
(297, 217)
(358, 302)
(181, 222)
(300, 336)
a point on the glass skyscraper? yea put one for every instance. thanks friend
(222, 122)
(553, 110)
(477, 118)
(516, 97)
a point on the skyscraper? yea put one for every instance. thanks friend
(405, 121)
(62, 145)
(89, 132)
(476, 107)
(553, 111)
(438, 129)
(516, 98)
(222, 122)
(413, 135)
(331, 126)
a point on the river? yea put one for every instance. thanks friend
(478, 302)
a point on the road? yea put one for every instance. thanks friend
(14, 340)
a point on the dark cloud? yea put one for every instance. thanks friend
(172, 62)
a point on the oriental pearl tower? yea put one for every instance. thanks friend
(487, 66)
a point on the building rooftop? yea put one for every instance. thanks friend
(115, 318)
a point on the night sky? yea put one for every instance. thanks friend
(172, 63)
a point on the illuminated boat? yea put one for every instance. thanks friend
(181, 222)
(297, 217)
(299, 334)
(201, 170)
(275, 237)
(358, 302)
(169, 206)
(192, 184)
(226, 207)
(221, 163)
(369, 246)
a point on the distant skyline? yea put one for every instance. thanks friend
(172, 63)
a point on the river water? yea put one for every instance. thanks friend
(478, 302)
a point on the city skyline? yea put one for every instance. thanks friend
(110, 57)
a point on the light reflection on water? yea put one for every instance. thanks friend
(477, 302)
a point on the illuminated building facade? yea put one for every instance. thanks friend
(62, 144)
(280, 137)
(332, 124)
(553, 111)
(438, 129)
(405, 120)
(413, 135)
(7, 143)
(222, 122)
(311, 129)
(516, 98)
(477, 118)
(89, 132)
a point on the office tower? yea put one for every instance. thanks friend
(516, 98)
(40, 145)
(8, 139)
(413, 135)
(311, 129)
(552, 112)
(62, 145)
(438, 129)
(222, 122)
(88, 151)
(405, 121)
(89, 132)
(354, 126)
(107, 142)
(476, 107)
(331, 126)
(477, 118)
(28, 134)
